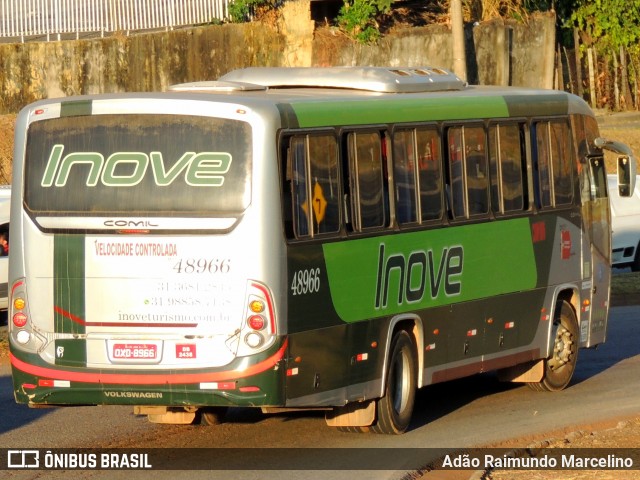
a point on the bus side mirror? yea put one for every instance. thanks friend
(626, 164)
(626, 175)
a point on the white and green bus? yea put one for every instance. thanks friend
(295, 238)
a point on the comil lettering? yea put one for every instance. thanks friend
(205, 169)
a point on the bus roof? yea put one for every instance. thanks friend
(309, 97)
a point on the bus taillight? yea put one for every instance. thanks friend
(19, 319)
(19, 313)
(260, 320)
(256, 322)
(260, 301)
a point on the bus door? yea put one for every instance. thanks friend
(597, 221)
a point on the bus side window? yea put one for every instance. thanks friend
(314, 181)
(468, 171)
(554, 163)
(429, 173)
(367, 175)
(456, 193)
(299, 186)
(543, 177)
(476, 171)
(507, 169)
(404, 174)
(324, 194)
(562, 161)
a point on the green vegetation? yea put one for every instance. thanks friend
(625, 284)
(357, 18)
(242, 10)
(610, 23)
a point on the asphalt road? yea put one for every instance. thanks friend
(460, 414)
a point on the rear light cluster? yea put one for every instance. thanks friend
(260, 323)
(19, 315)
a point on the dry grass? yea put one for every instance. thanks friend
(7, 123)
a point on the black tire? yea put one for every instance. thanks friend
(635, 265)
(212, 415)
(353, 429)
(395, 408)
(559, 367)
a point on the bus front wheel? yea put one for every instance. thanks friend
(394, 409)
(559, 367)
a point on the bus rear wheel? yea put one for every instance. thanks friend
(395, 408)
(559, 367)
(212, 415)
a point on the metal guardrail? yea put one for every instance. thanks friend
(56, 19)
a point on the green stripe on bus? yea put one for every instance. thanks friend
(69, 299)
(386, 110)
(68, 284)
(77, 108)
(387, 275)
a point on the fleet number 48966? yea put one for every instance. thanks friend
(306, 281)
(202, 265)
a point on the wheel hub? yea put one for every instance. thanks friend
(562, 349)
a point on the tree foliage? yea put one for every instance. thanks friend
(357, 18)
(241, 10)
(609, 24)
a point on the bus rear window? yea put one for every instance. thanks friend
(138, 164)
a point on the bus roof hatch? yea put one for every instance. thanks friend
(215, 87)
(375, 79)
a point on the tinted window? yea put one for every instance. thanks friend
(404, 171)
(417, 168)
(429, 173)
(367, 175)
(554, 164)
(507, 171)
(138, 164)
(315, 192)
(468, 171)
(562, 158)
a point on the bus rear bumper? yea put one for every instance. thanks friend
(258, 382)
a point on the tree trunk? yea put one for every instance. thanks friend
(592, 78)
(636, 101)
(571, 85)
(624, 80)
(602, 87)
(457, 31)
(559, 70)
(616, 87)
(576, 49)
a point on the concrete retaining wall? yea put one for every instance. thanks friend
(497, 53)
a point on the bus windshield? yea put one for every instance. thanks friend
(129, 165)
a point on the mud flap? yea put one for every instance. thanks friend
(175, 416)
(356, 414)
(529, 372)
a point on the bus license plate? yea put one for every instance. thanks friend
(135, 351)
